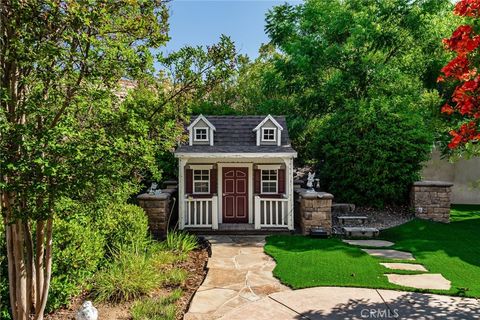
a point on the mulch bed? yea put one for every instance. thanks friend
(195, 265)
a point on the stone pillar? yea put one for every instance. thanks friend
(158, 208)
(314, 209)
(431, 200)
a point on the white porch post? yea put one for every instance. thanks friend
(257, 212)
(215, 212)
(289, 180)
(181, 192)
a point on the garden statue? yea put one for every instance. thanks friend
(153, 189)
(87, 312)
(310, 179)
(317, 184)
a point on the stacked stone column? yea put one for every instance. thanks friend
(314, 210)
(431, 200)
(158, 208)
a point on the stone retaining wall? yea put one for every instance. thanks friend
(431, 200)
(313, 209)
(158, 209)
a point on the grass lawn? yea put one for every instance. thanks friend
(450, 249)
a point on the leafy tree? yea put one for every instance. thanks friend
(463, 106)
(370, 161)
(61, 133)
(190, 75)
(337, 52)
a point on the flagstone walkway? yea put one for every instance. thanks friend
(239, 273)
(240, 286)
(432, 281)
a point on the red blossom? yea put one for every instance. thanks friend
(463, 40)
(467, 132)
(458, 69)
(447, 109)
(468, 8)
(466, 97)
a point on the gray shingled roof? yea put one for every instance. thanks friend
(234, 135)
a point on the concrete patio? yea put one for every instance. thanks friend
(240, 285)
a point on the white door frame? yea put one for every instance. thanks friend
(220, 166)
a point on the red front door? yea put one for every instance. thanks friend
(235, 195)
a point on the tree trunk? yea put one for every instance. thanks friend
(30, 268)
(48, 270)
(20, 274)
(29, 264)
(39, 265)
(11, 271)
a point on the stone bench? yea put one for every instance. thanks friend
(360, 232)
(344, 219)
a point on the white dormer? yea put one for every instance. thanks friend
(200, 131)
(269, 132)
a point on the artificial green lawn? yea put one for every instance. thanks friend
(450, 249)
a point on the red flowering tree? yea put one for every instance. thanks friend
(463, 71)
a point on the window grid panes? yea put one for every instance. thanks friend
(268, 134)
(201, 134)
(269, 181)
(201, 181)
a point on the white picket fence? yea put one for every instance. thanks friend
(271, 212)
(201, 212)
(268, 213)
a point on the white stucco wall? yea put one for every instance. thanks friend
(464, 174)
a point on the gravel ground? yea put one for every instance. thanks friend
(385, 218)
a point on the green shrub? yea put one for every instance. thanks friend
(370, 155)
(78, 249)
(131, 274)
(180, 241)
(156, 309)
(122, 224)
(84, 236)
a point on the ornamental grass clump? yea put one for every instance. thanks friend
(131, 274)
(180, 241)
(162, 308)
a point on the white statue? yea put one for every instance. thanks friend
(152, 188)
(310, 179)
(87, 312)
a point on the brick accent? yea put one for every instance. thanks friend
(313, 209)
(431, 200)
(157, 208)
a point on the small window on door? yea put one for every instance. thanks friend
(201, 134)
(268, 134)
(201, 181)
(269, 182)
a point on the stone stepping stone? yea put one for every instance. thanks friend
(370, 243)
(404, 266)
(432, 281)
(389, 254)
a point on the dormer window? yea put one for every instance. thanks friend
(201, 134)
(201, 131)
(269, 134)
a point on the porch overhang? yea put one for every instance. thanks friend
(235, 155)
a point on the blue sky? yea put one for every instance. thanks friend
(199, 22)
